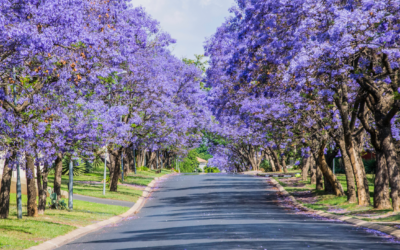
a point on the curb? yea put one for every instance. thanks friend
(356, 222)
(77, 233)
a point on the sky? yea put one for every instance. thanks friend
(190, 22)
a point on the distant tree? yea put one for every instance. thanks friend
(190, 163)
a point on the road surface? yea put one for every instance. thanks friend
(221, 211)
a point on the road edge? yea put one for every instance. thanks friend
(356, 222)
(80, 232)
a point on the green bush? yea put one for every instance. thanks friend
(266, 166)
(211, 170)
(143, 168)
(54, 204)
(370, 166)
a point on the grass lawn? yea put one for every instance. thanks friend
(125, 193)
(330, 203)
(27, 232)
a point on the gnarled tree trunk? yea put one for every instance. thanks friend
(319, 177)
(275, 158)
(115, 158)
(42, 186)
(381, 190)
(6, 188)
(306, 167)
(31, 186)
(385, 135)
(327, 172)
(351, 185)
(313, 167)
(57, 175)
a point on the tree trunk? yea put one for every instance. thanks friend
(319, 178)
(152, 160)
(313, 167)
(351, 185)
(5, 189)
(127, 162)
(271, 162)
(42, 176)
(327, 172)
(283, 163)
(306, 167)
(381, 190)
(57, 175)
(393, 171)
(116, 165)
(31, 186)
(129, 156)
(276, 160)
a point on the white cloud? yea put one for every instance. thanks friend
(188, 21)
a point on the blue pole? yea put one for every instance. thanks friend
(105, 172)
(158, 155)
(134, 160)
(144, 159)
(19, 201)
(122, 165)
(70, 186)
(161, 160)
(19, 196)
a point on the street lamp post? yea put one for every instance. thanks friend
(70, 185)
(158, 155)
(105, 172)
(134, 160)
(19, 196)
(19, 201)
(122, 165)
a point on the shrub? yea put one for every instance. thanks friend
(143, 168)
(54, 204)
(266, 166)
(370, 166)
(211, 170)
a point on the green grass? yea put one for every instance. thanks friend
(124, 193)
(28, 232)
(329, 201)
(394, 218)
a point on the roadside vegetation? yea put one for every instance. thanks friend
(30, 231)
(307, 194)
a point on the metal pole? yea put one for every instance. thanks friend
(105, 173)
(19, 195)
(122, 165)
(161, 160)
(70, 186)
(144, 159)
(19, 201)
(134, 160)
(158, 155)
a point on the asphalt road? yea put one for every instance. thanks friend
(222, 211)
